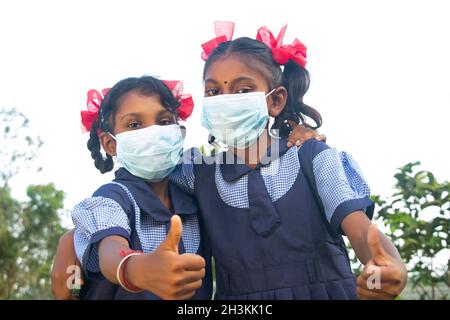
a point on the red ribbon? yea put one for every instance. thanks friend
(95, 98)
(224, 32)
(186, 102)
(281, 52)
(94, 101)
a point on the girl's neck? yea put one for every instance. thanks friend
(161, 190)
(254, 153)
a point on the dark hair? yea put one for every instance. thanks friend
(146, 85)
(294, 78)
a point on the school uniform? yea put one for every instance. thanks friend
(269, 236)
(127, 207)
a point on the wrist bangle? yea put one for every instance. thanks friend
(121, 269)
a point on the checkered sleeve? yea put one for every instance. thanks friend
(96, 218)
(183, 174)
(88, 258)
(341, 186)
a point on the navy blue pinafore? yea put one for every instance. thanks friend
(96, 286)
(273, 250)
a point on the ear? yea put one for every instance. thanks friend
(108, 143)
(277, 101)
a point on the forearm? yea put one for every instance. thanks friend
(109, 256)
(140, 269)
(355, 226)
(65, 258)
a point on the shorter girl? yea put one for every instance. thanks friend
(132, 252)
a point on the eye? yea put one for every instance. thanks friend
(244, 90)
(211, 92)
(134, 125)
(166, 122)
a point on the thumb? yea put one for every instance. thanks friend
(173, 236)
(373, 242)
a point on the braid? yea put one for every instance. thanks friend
(93, 144)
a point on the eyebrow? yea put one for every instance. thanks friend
(163, 112)
(232, 83)
(132, 114)
(137, 114)
(211, 80)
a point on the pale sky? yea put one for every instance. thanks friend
(379, 69)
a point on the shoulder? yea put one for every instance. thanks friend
(107, 208)
(311, 149)
(116, 193)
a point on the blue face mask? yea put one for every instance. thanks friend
(236, 119)
(150, 153)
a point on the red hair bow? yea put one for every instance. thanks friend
(94, 101)
(224, 32)
(281, 52)
(186, 102)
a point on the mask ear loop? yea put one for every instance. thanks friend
(270, 92)
(183, 131)
(114, 157)
(182, 126)
(274, 133)
(112, 136)
(219, 146)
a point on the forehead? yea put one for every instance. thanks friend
(233, 67)
(134, 102)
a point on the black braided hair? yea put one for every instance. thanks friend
(93, 144)
(294, 78)
(146, 85)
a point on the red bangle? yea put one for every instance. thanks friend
(121, 270)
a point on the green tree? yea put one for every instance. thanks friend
(418, 219)
(420, 239)
(18, 147)
(9, 246)
(29, 233)
(30, 229)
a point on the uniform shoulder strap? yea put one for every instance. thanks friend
(306, 154)
(127, 194)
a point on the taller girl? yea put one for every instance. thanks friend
(275, 223)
